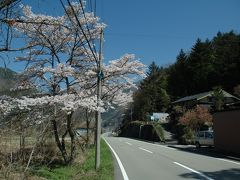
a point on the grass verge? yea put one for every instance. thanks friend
(159, 130)
(84, 171)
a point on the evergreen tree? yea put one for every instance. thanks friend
(218, 98)
(151, 95)
(236, 90)
(178, 74)
(227, 64)
(210, 63)
(200, 66)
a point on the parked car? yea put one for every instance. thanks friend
(204, 138)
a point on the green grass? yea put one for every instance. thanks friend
(84, 171)
(159, 130)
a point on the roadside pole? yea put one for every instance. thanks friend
(98, 113)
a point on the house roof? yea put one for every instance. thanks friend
(203, 95)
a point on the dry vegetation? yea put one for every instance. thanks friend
(22, 151)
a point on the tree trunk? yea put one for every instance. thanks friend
(61, 148)
(88, 124)
(72, 136)
(22, 145)
(63, 139)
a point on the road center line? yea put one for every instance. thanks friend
(128, 143)
(226, 160)
(125, 176)
(145, 150)
(190, 169)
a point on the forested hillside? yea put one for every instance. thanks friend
(7, 80)
(208, 64)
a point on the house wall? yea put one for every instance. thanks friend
(227, 131)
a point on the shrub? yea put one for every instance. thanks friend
(159, 130)
(194, 119)
(188, 136)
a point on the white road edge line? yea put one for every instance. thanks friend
(128, 143)
(145, 150)
(190, 169)
(228, 161)
(125, 176)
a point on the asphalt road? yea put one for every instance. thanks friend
(147, 161)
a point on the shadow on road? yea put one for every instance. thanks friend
(228, 174)
(206, 151)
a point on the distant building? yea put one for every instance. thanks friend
(205, 99)
(83, 131)
(160, 117)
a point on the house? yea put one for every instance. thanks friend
(160, 117)
(81, 131)
(205, 99)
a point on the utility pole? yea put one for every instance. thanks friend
(98, 113)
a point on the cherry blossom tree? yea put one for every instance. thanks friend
(8, 10)
(63, 64)
(59, 60)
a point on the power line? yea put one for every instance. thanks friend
(78, 35)
(84, 15)
(95, 8)
(81, 28)
(91, 6)
(133, 35)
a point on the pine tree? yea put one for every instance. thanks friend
(227, 65)
(152, 95)
(200, 65)
(178, 74)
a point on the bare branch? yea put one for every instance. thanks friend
(6, 3)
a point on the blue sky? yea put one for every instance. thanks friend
(155, 30)
(158, 29)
